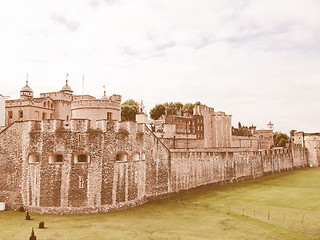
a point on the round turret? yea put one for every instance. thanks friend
(104, 97)
(26, 92)
(66, 88)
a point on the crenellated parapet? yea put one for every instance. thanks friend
(94, 103)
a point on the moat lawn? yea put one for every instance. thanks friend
(282, 206)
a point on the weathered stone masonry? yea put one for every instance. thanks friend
(46, 167)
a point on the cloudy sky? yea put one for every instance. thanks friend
(256, 60)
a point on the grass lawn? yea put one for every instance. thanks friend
(292, 199)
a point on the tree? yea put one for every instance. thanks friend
(176, 106)
(129, 109)
(158, 111)
(292, 132)
(189, 108)
(280, 139)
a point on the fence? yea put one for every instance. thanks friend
(300, 222)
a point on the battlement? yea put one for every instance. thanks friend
(83, 125)
(58, 96)
(95, 103)
(130, 127)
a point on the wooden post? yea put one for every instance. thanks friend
(32, 237)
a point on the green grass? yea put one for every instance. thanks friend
(294, 193)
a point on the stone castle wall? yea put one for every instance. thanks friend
(194, 168)
(126, 164)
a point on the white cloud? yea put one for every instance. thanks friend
(257, 60)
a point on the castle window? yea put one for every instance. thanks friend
(109, 115)
(143, 156)
(82, 158)
(51, 116)
(135, 156)
(34, 158)
(67, 117)
(20, 113)
(81, 182)
(135, 176)
(45, 104)
(121, 157)
(10, 114)
(55, 158)
(44, 115)
(52, 105)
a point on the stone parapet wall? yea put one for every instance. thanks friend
(195, 168)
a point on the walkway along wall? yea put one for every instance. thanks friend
(48, 168)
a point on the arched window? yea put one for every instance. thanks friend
(82, 158)
(34, 158)
(45, 104)
(135, 156)
(143, 156)
(55, 158)
(52, 105)
(122, 157)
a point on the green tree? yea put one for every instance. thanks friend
(129, 109)
(176, 106)
(158, 111)
(280, 139)
(292, 132)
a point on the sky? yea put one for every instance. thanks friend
(258, 60)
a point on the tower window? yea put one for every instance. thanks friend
(20, 114)
(121, 157)
(55, 158)
(135, 157)
(81, 182)
(109, 115)
(10, 114)
(82, 158)
(34, 158)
